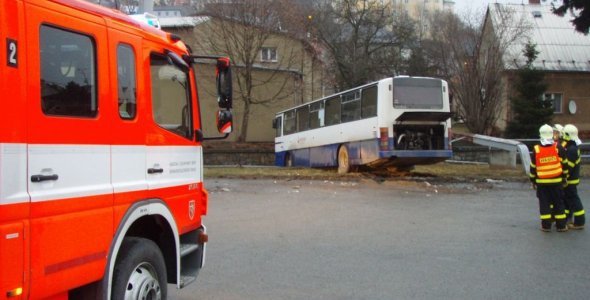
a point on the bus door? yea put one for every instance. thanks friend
(68, 153)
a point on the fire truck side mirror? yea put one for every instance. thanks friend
(224, 84)
(224, 122)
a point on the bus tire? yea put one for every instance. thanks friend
(343, 160)
(140, 271)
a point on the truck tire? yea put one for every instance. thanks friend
(343, 160)
(140, 271)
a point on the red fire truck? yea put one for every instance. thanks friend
(101, 177)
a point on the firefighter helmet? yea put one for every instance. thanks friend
(570, 132)
(546, 132)
(557, 128)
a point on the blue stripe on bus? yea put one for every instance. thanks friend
(359, 153)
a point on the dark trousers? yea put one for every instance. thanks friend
(551, 195)
(572, 200)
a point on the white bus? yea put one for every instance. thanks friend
(401, 121)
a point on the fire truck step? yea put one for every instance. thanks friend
(186, 280)
(186, 249)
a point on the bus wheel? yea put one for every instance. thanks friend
(343, 161)
(140, 271)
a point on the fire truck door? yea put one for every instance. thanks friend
(69, 119)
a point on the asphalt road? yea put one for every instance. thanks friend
(391, 240)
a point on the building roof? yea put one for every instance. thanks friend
(175, 22)
(560, 47)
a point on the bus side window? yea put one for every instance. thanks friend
(303, 118)
(351, 106)
(279, 126)
(332, 111)
(290, 124)
(68, 73)
(369, 102)
(127, 88)
(316, 115)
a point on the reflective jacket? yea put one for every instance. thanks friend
(548, 164)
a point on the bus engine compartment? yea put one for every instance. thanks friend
(419, 137)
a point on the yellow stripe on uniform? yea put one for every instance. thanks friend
(579, 213)
(546, 217)
(553, 180)
(560, 217)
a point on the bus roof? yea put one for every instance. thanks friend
(352, 89)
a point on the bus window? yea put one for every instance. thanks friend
(369, 102)
(417, 93)
(351, 106)
(127, 91)
(290, 126)
(170, 96)
(302, 118)
(68, 73)
(316, 115)
(279, 126)
(332, 111)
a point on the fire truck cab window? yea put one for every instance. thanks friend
(127, 91)
(68, 73)
(170, 96)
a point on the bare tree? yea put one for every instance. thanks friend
(364, 39)
(473, 58)
(241, 30)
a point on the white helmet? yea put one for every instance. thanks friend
(570, 133)
(546, 132)
(558, 128)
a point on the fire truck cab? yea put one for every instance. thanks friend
(101, 178)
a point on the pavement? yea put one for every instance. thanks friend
(368, 239)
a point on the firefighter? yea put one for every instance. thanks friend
(547, 173)
(558, 134)
(572, 200)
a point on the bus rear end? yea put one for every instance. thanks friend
(416, 122)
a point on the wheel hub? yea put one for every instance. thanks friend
(143, 284)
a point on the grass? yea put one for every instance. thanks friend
(443, 171)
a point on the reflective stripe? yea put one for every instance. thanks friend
(553, 180)
(533, 165)
(575, 181)
(579, 213)
(532, 175)
(567, 211)
(549, 167)
(560, 217)
(537, 149)
(571, 164)
(552, 173)
(545, 217)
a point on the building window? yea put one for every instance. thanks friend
(556, 99)
(268, 54)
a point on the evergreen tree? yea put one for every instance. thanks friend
(531, 111)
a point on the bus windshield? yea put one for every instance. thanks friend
(422, 93)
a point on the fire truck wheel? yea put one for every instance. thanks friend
(343, 160)
(140, 271)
